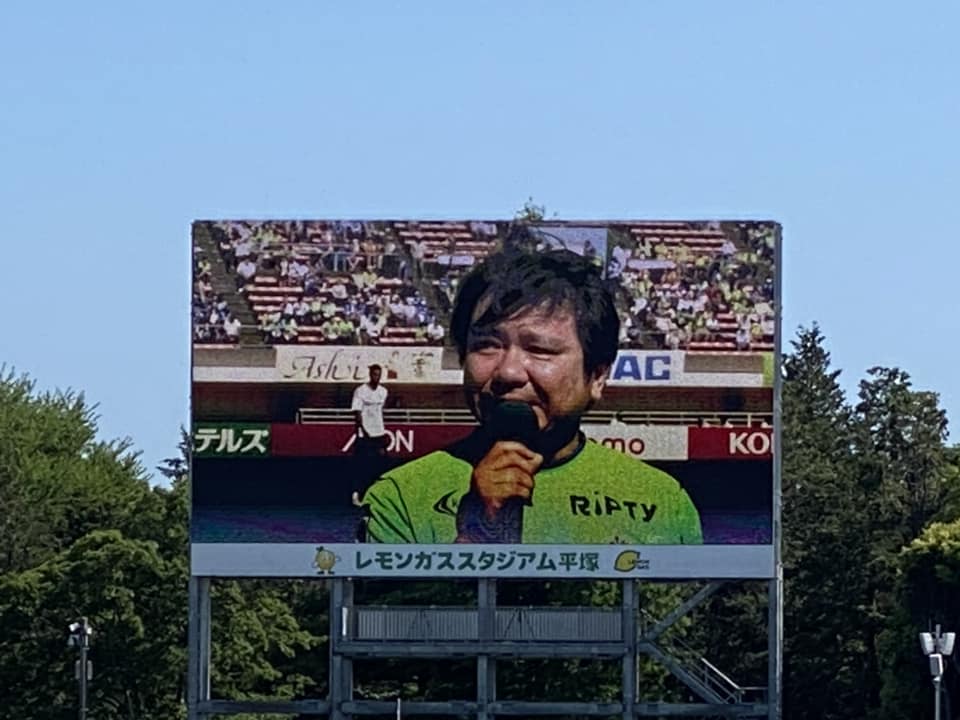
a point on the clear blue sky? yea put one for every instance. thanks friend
(122, 122)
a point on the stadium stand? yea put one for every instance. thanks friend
(693, 286)
(219, 314)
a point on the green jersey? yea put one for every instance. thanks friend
(598, 496)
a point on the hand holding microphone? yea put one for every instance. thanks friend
(505, 474)
(502, 481)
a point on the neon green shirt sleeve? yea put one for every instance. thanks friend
(389, 520)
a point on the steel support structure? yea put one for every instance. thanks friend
(491, 641)
(630, 667)
(775, 646)
(198, 639)
(341, 664)
(486, 632)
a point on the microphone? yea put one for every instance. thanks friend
(516, 421)
(513, 420)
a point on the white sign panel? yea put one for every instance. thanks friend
(423, 365)
(651, 442)
(438, 561)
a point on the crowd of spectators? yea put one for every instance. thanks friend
(213, 321)
(338, 283)
(709, 294)
(680, 287)
(352, 312)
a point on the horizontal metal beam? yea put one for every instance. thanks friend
(359, 648)
(380, 707)
(660, 709)
(525, 708)
(414, 707)
(288, 707)
(520, 707)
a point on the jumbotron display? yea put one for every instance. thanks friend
(492, 398)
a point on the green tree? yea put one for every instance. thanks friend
(130, 595)
(85, 535)
(903, 469)
(826, 542)
(927, 588)
(950, 510)
(531, 212)
(901, 435)
(57, 482)
(255, 636)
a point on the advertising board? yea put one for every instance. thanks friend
(566, 399)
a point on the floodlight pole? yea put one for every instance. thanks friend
(84, 644)
(80, 633)
(936, 697)
(937, 646)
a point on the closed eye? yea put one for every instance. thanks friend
(483, 344)
(543, 351)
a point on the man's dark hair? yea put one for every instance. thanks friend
(515, 278)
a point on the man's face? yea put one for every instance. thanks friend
(375, 376)
(533, 357)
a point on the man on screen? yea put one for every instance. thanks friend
(370, 436)
(537, 334)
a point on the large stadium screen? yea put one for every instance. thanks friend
(484, 398)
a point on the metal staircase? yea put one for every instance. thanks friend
(694, 670)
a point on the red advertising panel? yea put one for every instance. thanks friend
(487, 398)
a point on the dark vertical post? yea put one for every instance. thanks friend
(775, 585)
(82, 676)
(198, 640)
(336, 660)
(341, 666)
(628, 636)
(348, 622)
(486, 631)
(774, 645)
